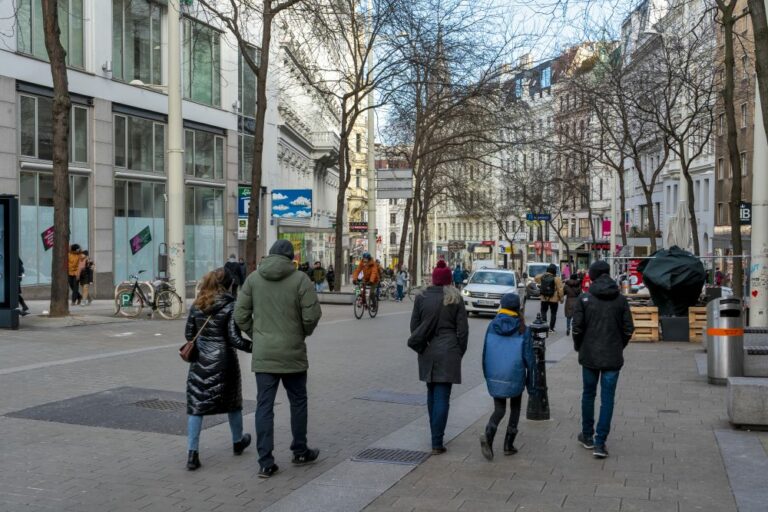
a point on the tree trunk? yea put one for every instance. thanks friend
(622, 206)
(734, 157)
(61, 112)
(404, 233)
(341, 196)
(651, 219)
(254, 210)
(760, 29)
(692, 210)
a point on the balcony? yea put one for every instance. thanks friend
(324, 142)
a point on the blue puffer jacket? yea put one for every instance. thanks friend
(508, 362)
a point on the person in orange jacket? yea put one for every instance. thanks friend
(73, 272)
(367, 271)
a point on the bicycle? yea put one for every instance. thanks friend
(361, 303)
(164, 299)
(413, 291)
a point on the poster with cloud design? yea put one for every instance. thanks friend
(292, 203)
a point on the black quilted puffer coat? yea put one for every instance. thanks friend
(213, 382)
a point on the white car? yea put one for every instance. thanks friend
(483, 290)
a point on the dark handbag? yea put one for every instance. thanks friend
(419, 340)
(188, 351)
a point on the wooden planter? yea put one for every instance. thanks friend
(646, 320)
(697, 322)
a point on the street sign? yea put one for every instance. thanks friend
(125, 299)
(546, 217)
(358, 227)
(243, 201)
(242, 228)
(456, 245)
(394, 194)
(394, 183)
(745, 213)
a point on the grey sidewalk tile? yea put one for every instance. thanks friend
(747, 466)
(481, 505)
(602, 503)
(623, 491)
(635, 505)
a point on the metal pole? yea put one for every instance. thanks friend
(434, 235)
(758, 281)
(175, 155)
(371, 146)
(612, 250)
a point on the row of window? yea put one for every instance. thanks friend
(724, 167)
(137, 40)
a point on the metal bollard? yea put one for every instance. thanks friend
(725, 340)
(538, 402)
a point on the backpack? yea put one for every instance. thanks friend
(547, 285)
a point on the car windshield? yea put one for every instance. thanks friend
(535, 270)
(497, 278)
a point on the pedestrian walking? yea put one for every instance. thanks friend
(508, 366)
(213, 380)
(551, 288)
(602, 327)
(439, 318)
(458, 276)
(236, 271)
(243, 268)
(318, 276)
(86, 278)
(24, 308)
(571, 290)
(279, 327)
(73, 272)
(401, 281)
(330, 276)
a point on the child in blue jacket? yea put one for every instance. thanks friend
(508, 366)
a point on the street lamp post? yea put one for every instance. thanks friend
(371, 146)
(758, 276)
(175, 154)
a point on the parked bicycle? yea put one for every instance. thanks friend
(362, 302)
(162, 297)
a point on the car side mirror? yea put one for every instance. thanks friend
(464, 282)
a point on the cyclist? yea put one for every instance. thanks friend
(367, 271)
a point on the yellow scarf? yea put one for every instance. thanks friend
(509, 312)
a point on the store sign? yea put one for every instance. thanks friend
(745, 213)
(482, 249)
(488, 243)
(243, 201)
(606, 228)
(292, 203)
(47, 237)
(548, 248)
(242, 228)
(141, 240)
(456, 245)
(635, 277)
(358, 227)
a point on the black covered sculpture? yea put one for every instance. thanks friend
(674, 278)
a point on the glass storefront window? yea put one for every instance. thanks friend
(245, 162)
(246, 85)
(136, 41)
(138, 205)
(202, 73)
(36, 215)
(203, 154)
(36, 127)
(204, 231)
(29, 33)
(139, 144)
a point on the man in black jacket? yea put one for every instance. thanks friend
(602, 327)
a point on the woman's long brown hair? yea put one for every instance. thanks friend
(210, 288)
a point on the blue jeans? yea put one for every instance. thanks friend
(438, 403)
(568, 321)
(195, 425)
(295, 385)
(608, 380)
(399, 292)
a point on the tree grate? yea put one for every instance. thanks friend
(158, 404)
(391, 456)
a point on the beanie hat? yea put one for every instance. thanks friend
(511, 301)
(442, 276)
(552, 269)
(282, 248)
(598, 269)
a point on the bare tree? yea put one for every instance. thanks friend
(61, 108)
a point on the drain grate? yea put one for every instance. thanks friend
(392, 397)
(158, 404)
(669, 411)
(391, 456)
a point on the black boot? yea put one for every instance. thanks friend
(509, 440)
(486, 442)
(193, 460)
(241, 445)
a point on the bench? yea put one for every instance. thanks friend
(747, 401)
(756, 361)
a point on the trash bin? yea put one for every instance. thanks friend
(725, 340)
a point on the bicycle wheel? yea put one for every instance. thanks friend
(130, 308)
(359, 307)
(168, 305)
(392, 292)
(373, 307)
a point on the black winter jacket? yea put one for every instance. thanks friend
(213, 381)
(441, 361)
(602, 326)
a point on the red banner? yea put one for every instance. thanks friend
(47, 237)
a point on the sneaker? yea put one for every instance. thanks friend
(439, 450)
(600, 452)
(239, 447)
(269, 471)
(587, 442)
(307, 457)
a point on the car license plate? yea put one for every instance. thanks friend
(485, 302)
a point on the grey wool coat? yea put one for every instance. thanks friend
(441, 361)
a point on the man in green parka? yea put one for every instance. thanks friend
(278, 308)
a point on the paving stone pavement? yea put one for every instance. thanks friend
(664, 454)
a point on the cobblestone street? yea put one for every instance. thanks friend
(666, 448)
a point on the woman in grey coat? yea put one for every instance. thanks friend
(441, 310)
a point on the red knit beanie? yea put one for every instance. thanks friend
(442, 275)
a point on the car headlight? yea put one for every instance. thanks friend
(465, 293)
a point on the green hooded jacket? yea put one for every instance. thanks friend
(278, 308)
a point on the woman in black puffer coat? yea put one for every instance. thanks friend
(213, 382)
